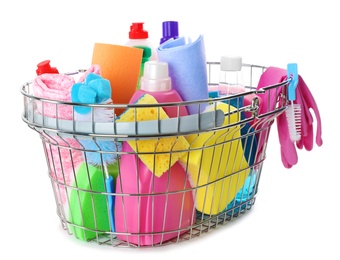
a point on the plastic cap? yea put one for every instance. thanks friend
(156, 77)
(137, 31)
(45, 67)
(170, 30)
(231, 63)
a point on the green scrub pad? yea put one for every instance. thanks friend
(89, 208)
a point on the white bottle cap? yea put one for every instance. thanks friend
(231, 63)
(155, 77)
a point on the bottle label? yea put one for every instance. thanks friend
(227, 90)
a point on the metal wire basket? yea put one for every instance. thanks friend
(211, 164)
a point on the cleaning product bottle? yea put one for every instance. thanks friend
(169, 30)
(140, 37)
(145, 58)
(156, 82)
(231, 83)
(160, 206)
(231, 80)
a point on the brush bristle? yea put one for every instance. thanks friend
(293, 114)
(101, 152)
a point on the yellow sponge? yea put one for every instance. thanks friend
(213, 158)
(158, 154)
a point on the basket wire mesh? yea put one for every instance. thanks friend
(205, 184)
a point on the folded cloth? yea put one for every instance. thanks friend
(64, 157)
(305, 99)
(53, 87)
(93, 69)
(63, 154)
(187, 69)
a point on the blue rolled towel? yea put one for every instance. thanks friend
(187, 69)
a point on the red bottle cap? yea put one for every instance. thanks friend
(45, 67)
(137, 31)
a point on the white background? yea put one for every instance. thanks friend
(296, 215)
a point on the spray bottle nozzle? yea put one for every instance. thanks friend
(45, 67)
(136, 26)
(137, 31)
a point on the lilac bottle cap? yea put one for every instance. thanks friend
(170, 30)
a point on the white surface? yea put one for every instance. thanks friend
(296, 215)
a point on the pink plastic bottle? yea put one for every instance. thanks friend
(153, 204)
(156, 82)
(147, 206)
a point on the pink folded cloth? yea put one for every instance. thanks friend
(64, 157)
(95, 69)
(53, 87)
(63, 154)
(57, 87)
(305, 99)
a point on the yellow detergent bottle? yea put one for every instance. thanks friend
(216, 163)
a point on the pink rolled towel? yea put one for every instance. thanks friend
(63, 154)
(55, 87)
(64, 157)
(95, 69)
